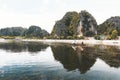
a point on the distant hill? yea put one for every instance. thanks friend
(109, 25)
(32, 31)
(35, 31)
(75, 24)
(13, 31)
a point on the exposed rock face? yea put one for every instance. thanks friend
(79, 29)
(73, 23)
(109, 25)
(87, 25)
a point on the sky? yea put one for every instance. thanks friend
(44, 13)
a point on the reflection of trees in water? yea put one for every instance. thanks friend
(36, 47)
(19, 47)
(73, 57)
(15, 47)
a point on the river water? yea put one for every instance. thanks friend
(38, 61)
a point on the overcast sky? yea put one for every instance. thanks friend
(44, 13)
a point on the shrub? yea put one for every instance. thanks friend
(62, 37)
(114, 34)
(81, 37)
(69, 37)
(97, 37)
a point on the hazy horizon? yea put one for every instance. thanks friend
(45, 13)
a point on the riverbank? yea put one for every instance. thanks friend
(94, 42)
(50, 41)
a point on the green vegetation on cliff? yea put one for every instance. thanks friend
(109, 25)
(110, 28)
(67, 25)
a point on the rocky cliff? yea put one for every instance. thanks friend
(75, 24)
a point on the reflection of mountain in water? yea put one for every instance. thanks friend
(73, 59)
(110, 54)
(19, 47)
(84, 58)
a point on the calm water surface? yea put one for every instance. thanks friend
(38, 61)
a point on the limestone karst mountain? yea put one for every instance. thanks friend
(75, 24)
(109, 25)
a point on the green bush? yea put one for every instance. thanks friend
(81, 37)
(114, 34)
(62, 37)
(69, 37)
(108, 37)
(97, 37)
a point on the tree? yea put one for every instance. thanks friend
(114, 34)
